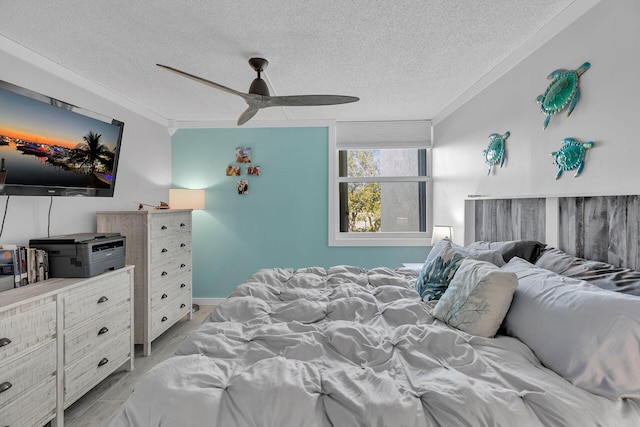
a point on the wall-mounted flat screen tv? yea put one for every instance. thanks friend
(51, 148)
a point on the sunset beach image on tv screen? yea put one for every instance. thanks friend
(48, 145)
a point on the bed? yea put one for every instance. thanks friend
(508, 333)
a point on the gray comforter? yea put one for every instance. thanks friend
(352, 347)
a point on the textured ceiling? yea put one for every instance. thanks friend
(405, 59)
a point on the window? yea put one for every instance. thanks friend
(379, 184)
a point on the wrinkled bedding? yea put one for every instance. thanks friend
(351, 347)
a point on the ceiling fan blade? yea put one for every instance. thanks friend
(245, 96)
(248, 114)
(307, 100)
(258, 96)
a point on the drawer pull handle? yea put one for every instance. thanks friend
(5, 386)
(4, 341)
(164, 227)
(103, 330)
(103, 299)
(163, 296)
(164, 273)
(182, 306)
(103, 362)
(182, 285)
(164, 319)
(182, 245)
(182, 224)
(183, 265)
(163, 250)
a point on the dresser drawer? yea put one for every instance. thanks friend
(161, 297)
(170, 271)
(35, 408)
(82, 339)
(96, 299)
(27, 325)
(169, 314)
(26, 371)
(95, 366)
(171, 223)
(169, 247)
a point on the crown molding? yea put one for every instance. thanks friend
(565, 18)
(57, 70)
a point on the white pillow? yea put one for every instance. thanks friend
(477, 298)
(589, 336)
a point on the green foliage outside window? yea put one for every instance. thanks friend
(364, 197)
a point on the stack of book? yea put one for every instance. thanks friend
(20, 266)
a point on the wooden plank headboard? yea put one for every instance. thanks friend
(602, 228)
(510, 219)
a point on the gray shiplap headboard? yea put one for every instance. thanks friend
(510, 219)
(602, 228)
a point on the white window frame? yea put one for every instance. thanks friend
(354, 135)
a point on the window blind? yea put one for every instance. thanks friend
(401, 134)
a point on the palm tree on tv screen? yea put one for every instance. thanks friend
(94, 152)
(92, 139)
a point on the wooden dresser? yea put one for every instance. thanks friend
(58, 339)
(159, 245)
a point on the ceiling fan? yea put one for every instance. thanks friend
(258, 96)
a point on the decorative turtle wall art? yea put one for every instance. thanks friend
(570, 156)
(496, 151)
(563, 91)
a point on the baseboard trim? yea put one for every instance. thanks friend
(208, 301)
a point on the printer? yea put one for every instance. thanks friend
(82, 254)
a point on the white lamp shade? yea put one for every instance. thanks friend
(182, 198)
(440, 232)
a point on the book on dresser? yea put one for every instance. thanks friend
(20, 266)
(159, 245)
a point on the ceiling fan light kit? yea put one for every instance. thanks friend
(259, 97)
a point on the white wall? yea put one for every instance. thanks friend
(608, 112)
(144, 171)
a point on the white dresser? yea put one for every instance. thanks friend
(58, 339)
(159, 245)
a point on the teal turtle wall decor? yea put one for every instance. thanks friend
(496, 151)
(570, 156)
(563, 91)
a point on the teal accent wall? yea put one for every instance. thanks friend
(281, 222)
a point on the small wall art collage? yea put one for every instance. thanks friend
(243, 158)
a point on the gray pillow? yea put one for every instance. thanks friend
(488, 255)
(603, 275)
(589, 336)
(528, 250)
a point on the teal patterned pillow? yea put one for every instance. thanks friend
(437, 272)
